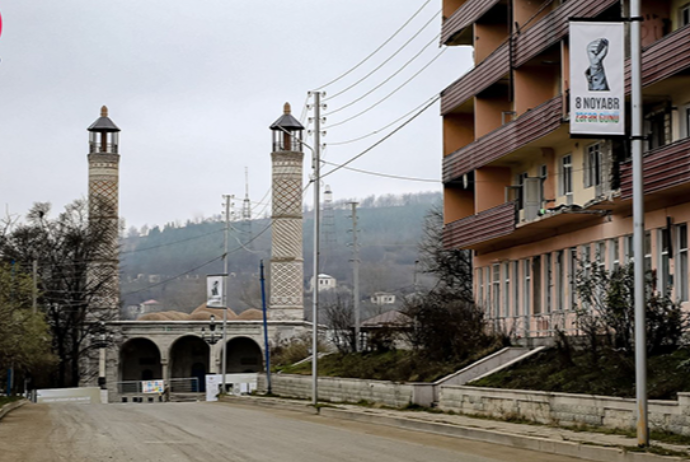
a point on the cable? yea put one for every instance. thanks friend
(391, 93)
(377, 50)
(173, 277)
(386, 175)
(381, 140)
(172, 243)
(386, 80)
(376, 132)
(387, 60)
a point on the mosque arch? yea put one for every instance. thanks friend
(244, 355)
(140, 359)
(189, 357)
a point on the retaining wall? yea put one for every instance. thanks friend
(565, 408)
(345, 390)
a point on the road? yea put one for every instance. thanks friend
(209, 432)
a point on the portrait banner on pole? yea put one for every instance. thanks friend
(215, 291)
(597, 78)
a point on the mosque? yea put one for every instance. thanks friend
(173, 345)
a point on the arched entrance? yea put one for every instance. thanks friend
(140, 359)
(244, 355)
(189, 357)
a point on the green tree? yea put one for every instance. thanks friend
(25, 340)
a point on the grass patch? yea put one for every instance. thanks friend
(395, 366)
(613, 374)
(9, 399)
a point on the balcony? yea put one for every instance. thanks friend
(484, 226)
(664, 58)
(554, 26)
(665, 169)
(529, 127)
(464, 17)
(489, 71)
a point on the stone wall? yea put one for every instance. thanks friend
(565, 408)
(341, 390)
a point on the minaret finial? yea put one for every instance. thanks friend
(286, 108)
(104, 111)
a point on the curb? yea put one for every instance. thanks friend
(543, 445)
(7, 408)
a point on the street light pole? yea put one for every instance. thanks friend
(638, 223)
(225, 290)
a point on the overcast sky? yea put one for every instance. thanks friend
(194, 86)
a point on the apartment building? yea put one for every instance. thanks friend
(531, 201)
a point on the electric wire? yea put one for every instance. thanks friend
(165, 281)
(386, 175)
(386, 61)
(404, 66)
(172, 243)
(352, 159)
(376, 132)
(390, 94)
(376, 50)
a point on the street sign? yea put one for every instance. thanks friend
(215, 291)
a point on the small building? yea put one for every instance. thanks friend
(383, 298)
(326, 282)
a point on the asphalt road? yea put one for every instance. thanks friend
(210, 432)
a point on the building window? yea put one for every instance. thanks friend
(566, 176)
(496, 288)
(682, 262)
(614, 256)
(506, 289)
(600, 256)
(520, 178)
(684, 15)
(664, 279)
(516, 288)
(543, 172)
(536, 284)
(647, 252)
(572, 278)
(560, 276)
(593, 165)
(548, 283)
(528, 284)
(629, 249)
(487, 288)
(656, 128)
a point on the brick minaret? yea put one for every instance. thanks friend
(287, 286)
(104, 163)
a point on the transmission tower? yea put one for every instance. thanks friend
(247, 235)
(328, 220)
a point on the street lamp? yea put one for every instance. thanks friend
(101, 339)
(210, 337)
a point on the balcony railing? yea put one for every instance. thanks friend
(489, 224)
(464, 17)
(489, 71)
(664, 168)
(529, 127)
(663, 58)
(554, 26)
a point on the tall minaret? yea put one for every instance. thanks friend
(104, 163)
(287, 281)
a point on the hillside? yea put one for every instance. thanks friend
(390, 229)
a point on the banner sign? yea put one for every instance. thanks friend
(597, 78)
(152, 386)
(215, 287)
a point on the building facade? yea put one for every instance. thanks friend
(536, 205)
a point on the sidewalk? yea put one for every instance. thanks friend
(542, 438)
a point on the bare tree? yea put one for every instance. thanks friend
(341, 320)
(71, 293)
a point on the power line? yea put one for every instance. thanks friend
(385, 175)
(404, 66)
(391, 93)
(382, 139)
(174, 277)
(376, 132)
(172, 243)
(388, 59)
(376, 50)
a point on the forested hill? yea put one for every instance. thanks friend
(390, 228)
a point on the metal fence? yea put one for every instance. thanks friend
(182, 385)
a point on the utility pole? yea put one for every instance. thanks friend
(638, 223)
(316, 165)
(228, 205)
(355, 273)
